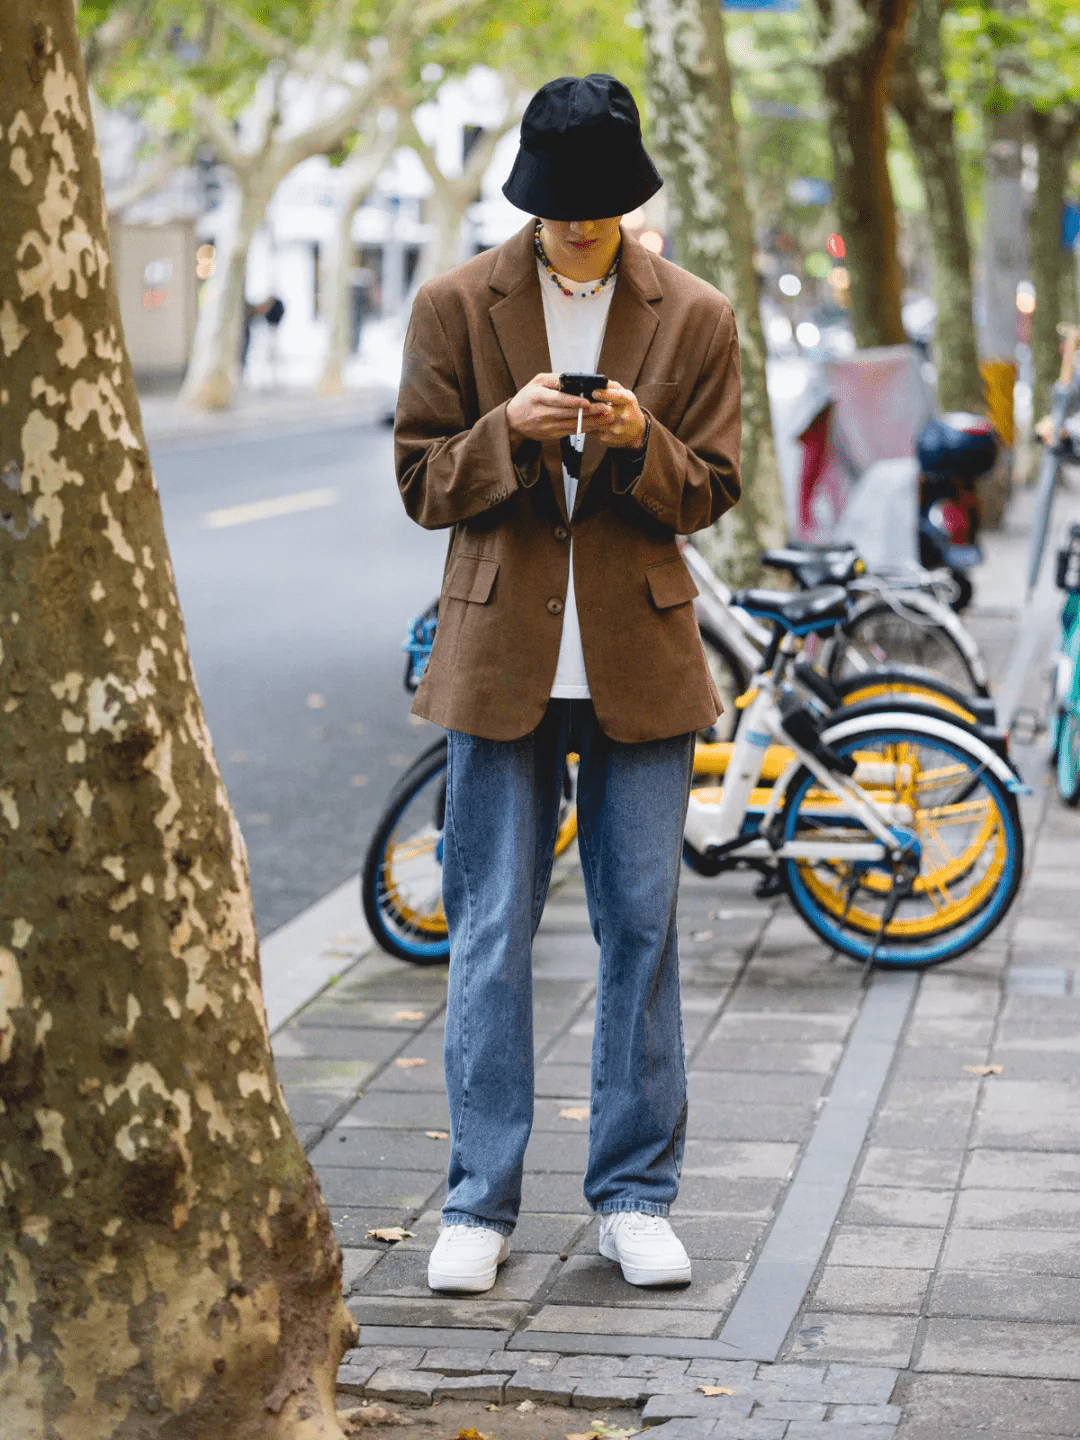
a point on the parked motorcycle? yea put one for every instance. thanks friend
(953, 452)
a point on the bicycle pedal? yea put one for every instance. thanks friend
(769, 886)
(1027, 725)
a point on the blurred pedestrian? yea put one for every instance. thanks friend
(566, 624)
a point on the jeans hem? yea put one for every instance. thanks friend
(639, 1207)
(459, 1217)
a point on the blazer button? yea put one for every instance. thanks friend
(555, 607)
(561, 532)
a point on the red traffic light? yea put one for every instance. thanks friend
(836, 247)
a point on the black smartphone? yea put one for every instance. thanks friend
(575, 383)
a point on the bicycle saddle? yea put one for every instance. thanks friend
(807, 612)
(813, 565)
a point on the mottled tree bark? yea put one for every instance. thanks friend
(1055, 134)
(696, 139)
(167, 1266)
(858, 41)
(920, 96)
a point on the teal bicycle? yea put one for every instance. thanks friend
(1064, 718)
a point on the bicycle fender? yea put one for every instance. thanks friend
(942, 730)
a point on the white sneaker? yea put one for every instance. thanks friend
(646, 1247)
(466, 1257)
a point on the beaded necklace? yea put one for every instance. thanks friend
(554, 278)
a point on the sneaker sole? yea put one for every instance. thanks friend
(646, 1278)
(468, 1284)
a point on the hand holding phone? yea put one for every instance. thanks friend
(577, 382)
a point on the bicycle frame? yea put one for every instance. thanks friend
(710, 826)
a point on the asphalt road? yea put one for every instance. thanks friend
(298, 572)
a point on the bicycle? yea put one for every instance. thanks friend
(1063, 723)
(897, 835)
(401, 880)
(903, 618)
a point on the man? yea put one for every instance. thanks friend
(566, 624)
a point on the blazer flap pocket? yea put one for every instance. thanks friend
(670, 583)
(471, 578)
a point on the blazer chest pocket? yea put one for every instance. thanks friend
(670, 583)
(472, 578)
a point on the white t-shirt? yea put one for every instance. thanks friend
(575, 333)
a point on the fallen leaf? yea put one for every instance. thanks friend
(701, 935)
(984, 1069)
(437, 1134)
(525, 1408)
(316, 702)
(493, 1407)
(391, 1233)
(409, 1062)
(408, 1014)
(715, 1390)
(472, 1434)
(580, 1112)
(581, 1434)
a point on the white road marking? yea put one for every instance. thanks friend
(266, 509)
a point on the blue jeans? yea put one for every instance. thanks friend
(502, 809)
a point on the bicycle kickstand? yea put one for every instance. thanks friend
(901, 886)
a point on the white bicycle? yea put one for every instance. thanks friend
(897, 835)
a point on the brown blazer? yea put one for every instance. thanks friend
(476, 336)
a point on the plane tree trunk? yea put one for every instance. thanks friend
(696, 139)
(167, 1265)
(920, 97)
(859, 39)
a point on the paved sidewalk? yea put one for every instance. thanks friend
(880, 1193)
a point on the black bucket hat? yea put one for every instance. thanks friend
(581, 156)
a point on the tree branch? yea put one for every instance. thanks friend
(220, 134)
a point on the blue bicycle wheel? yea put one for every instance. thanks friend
(1068, 752)
(969, 847)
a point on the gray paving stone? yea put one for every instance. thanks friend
(554, 1194)
(748, 1160)
(752, 1429)
(315, 1107)
(919, 1169)
(514, 1360)
(824, 1336)
(706, 1194)
(753, 1122)
(585, 1320)
(404, 1274)
(437, 1312)
(339, 1077)
(835, 1430)
(385, 1357)
(400, 1189)
(1001, 1347)
(897, 1205)
(352, 1148)
(550, 1234)
(895, 1247)
(695, 1429)
(410, 1112)
(723, 1052)
(581, 1367)
(597, 1392)
(968, 1295)
(790, 1410)
(859, 1384)
(711, 1407)
(656, 1367)
(788, 1382)
(722, 1087)
(403, 1387)
(448, 1360)
(562, 1081)
(490, 1388)
(908, 1130)
(355, 1264)
(1022, 1170)
(1041, 1252)
(352, 1223)
(1027, 1114)
(591, 1280)
(1019, 1209)
(867, 1414)
(716, 1237)
(733, 1373)
(324, 1042)
(871, 1290)
(352, 1377)
(552, 1151)
(543, 1385)
(1014, 1407)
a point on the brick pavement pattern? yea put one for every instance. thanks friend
(945, 1302)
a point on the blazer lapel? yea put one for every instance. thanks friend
(631, 325)
(518, 322)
